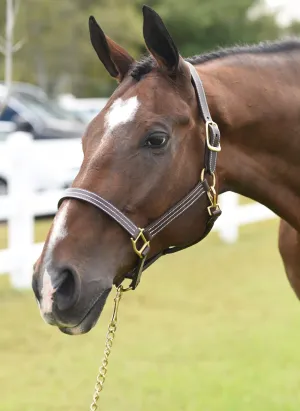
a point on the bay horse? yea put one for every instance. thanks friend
(144, 154)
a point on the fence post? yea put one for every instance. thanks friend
(21, 218)
(228, 226)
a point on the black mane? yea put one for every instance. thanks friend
(147, 64)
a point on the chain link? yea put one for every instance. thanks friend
(112, 327)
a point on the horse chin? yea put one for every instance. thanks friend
(90, 319)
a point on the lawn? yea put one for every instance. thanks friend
(214, 328)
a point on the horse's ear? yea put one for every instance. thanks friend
(159, 42)
(115, 59)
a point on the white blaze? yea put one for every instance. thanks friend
(47, 294)
(121, 112)
(59, 231)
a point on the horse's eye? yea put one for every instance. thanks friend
(157, 140)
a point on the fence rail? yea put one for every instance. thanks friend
(22, 204)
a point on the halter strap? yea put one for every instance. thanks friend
(212, 140)
(141, 237)
(133, 230)
(158, 225)
(104, 205)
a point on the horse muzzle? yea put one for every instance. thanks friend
(62, 303)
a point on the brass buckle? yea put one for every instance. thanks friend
(212, 148)
(134, 241)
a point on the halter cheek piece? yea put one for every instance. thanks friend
(141, 237)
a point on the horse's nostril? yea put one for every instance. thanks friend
(66, 292)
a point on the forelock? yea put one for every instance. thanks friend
(142, 67)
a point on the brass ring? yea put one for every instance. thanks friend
(124, 290)
(121, 288)
(213, 177)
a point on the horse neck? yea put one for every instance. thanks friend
(257, 106)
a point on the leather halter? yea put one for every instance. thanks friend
(141, 237)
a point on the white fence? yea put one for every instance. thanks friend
(22, 204)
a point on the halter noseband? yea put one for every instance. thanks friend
(141, 237)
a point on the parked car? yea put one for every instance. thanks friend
(47, 118)
(57, 135)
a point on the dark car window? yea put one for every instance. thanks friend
(7, 114)
(45, 107)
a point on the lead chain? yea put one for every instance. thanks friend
(112, 327)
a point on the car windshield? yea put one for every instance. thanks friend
(44, 107)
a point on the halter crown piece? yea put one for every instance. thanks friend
(141, 237)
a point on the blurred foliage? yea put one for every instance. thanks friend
(58, 56)
(294, 28)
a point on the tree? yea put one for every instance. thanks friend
(293, 29)
(199, 26)
(58, 55)
(7, 46)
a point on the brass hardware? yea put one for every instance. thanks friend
(209, 209)
(108, 345)
(129, 288)
(212, 148)
(212, 175)
(211, 194)
(213, 198)
(146, 244)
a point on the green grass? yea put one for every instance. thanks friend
(214, 328)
